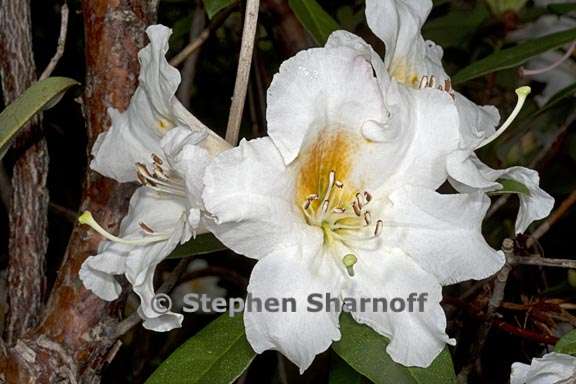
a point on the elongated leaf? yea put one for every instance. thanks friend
(342, 373)
(567, 344)
(562, 8)
(455, 27)
(365, 351)
(515, 56)
(511, 186)
(201, 245)
(212, 7)
(316, 21)
(218, 354)
(41, 95)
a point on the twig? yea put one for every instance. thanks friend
(499, 288)
(61, 43)
(552, 219)
(194, 45)
(493, 305)
(167, 286)
(525, 333)
(189, 71)
(66, 213)
(543, 262)
(190, 48)
(244, 64)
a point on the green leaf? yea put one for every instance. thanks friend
(212, 7)
(511, 186)
(316, 21)
(218, 354)
(365, 351)
(201, 245)
(342, 373)
(567, 344)
(456, 26)
(41, 95)
(515, 56)
(562, 8)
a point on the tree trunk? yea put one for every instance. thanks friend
(72, 342)
(28, 211)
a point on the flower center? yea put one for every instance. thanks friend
(340, 217)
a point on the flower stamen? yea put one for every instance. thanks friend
(566, 56)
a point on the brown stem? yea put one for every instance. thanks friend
(243, 73)
(552, 219)
(72, 342)
(189, 71)
(61, 43)
(28, 210)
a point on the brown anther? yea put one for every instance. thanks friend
(367, 218)
(356, 209)
(307, 204)
(141, 179)
(432, 81)
(378, 229)
(367, 196)
(359, 200)
(339, 210)
(339, 184)
(447, 85)
(312, 197)
(423, 82)
(145, 227)
(157, 159)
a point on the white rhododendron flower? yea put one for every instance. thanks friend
(340, 199)
(159, 143)
(416, 63)
(554, 68)
(552, 368)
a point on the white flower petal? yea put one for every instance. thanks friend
(442, 233)
(468, 174)
(408, 57)
(163, 323)
(97, 274)
(251, 194)
(416, 337)
(544, 25)
(429, 121)
(135, 134)
(188, 159)
(555, 79)
(476, 122)
(317, 89)
(299, 335)
(519, 373)
(350, 40)
(551, 368)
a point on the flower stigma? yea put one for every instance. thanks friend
(151, 236)
(522, 94)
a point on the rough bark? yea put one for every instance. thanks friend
(73, 341)
(28, 209)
